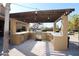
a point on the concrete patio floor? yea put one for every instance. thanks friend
(43, 48)
(1, 45)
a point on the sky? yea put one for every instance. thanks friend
(25, 7)
(22, 7)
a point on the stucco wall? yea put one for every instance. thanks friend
(60, 43)
(2, 9)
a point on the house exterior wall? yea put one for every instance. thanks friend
(2, 9)
(2, 12)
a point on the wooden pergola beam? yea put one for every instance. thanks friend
(41, 16)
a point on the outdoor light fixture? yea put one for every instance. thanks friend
(35, 12)
(35, 15)
(48, 18)
(66, 13)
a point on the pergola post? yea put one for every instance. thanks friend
(60, 41)
(54, 27)
(6, 30)
(27, 26)
(65, 30)
(13, 26)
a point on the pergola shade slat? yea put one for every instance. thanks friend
(41, 16)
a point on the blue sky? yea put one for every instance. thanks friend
(42, 6)
(24, 7)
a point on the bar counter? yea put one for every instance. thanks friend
(19, 37)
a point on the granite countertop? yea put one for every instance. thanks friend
(57, 34)
(52, 33)
(24, 32)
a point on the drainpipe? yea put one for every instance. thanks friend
(6, 30)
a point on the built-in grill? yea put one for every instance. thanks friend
(38, 35)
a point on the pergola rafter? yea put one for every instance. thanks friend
(41, 16)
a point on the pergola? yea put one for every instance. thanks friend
(60, 41)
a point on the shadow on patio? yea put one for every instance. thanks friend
(24, 49)
(43, 48)
(1, 45)
(47, 49)
(72, 51)
(31, 48)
